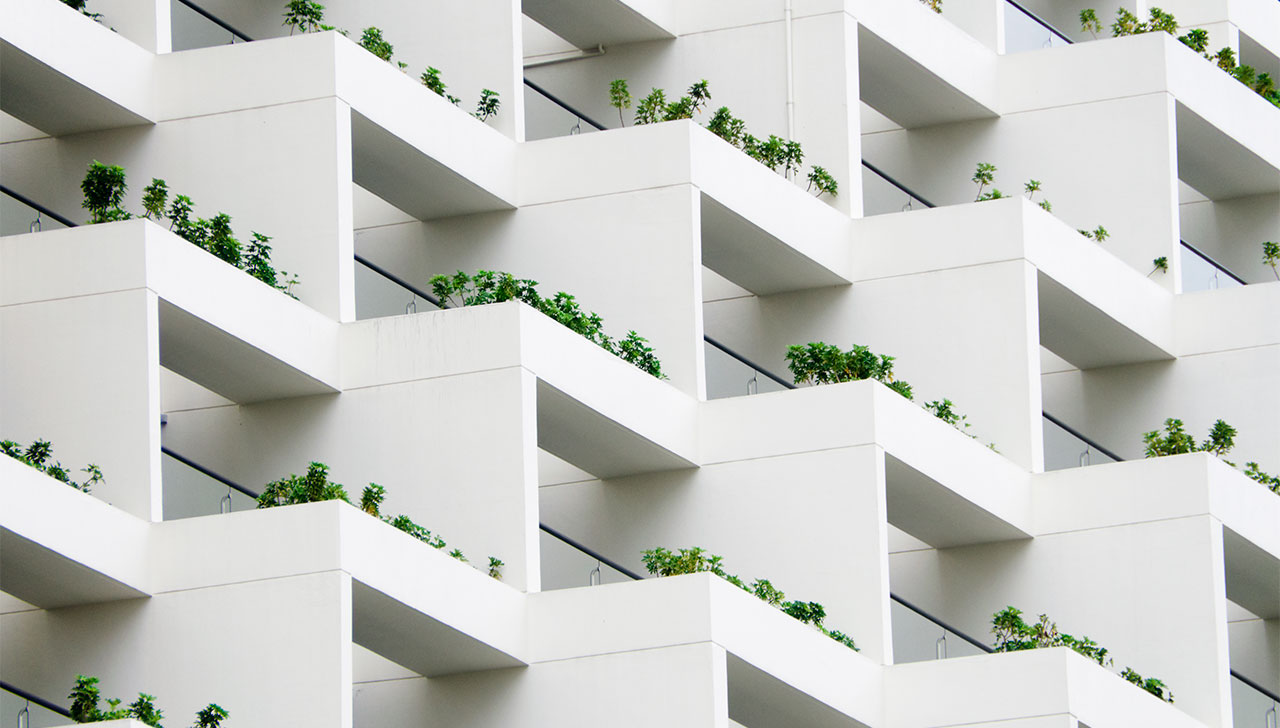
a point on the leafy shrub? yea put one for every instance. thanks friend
(104, 187)
(304, 16)
(487, 106)
(822, 363)
(662, 562)
(486, 286)
(1222, 438)
(778, 154)
(934, 5)
(1161, 264)
(371, 40)
(1014, 635)
(83, 7)
(39, 455)
(315, 487)
(1271, 257)
(1176, 440)
(1197, 39)
(85, 697)
(984, 176)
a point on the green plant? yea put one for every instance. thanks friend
(1150, 684)
(39, 455)
(1197, 39)
(663, 562)
(1271, 257)
(944, 411)
(1013, 634)
(984, 176)
(304, 16)
(487, 106)
(431, 79)
(1176, 440)
(1254, 472)
(82, 6)
(154, 197)
(85, 697)
(1161, 264)
(315, 487)
(778, 154)
(371, 40)
(822, 363)
(934, 5)
(104, 187)
(1098, 234)
(1089, 22)
(211, 717)
(821, 180)
(486, 287)
(620, 97)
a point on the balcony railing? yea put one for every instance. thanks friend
(919, 636)
(1202, 273)
(1252, 705)
(20, 215)
(1026, 31)
(27, 710)
(1065, 447)
(194, 27)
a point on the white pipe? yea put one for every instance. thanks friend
(791, 85)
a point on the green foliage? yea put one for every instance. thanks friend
(315, 487)
(663, 562)
(1271, 256)
(485, 287)
(1176, 440)
(1089, 22)
(1161, 264)
(1150, 684)
(83, 7)
(934, 5)
(86, 696)
(211, 717)
(371, 40)
(983, 176)
(822, 181)
(620, 97)
(104, 187)
(822, 363)
(1098, 234)
(1197, 39)
(1013, 635)
(431, 79)
(944, 410)
(39, 455)
(1253, 471)
(778, 154)
(154, 198)
(304, 16)
(651, 108)
(488, 105)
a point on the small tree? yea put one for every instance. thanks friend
(1271, 257)
(304, 16)
(620, 97)
(104, 187)
(371, 40)
(984, 176)
(487, 106)
(1089, 22)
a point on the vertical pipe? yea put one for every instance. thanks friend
(791, 86)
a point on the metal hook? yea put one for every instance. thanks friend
(907, 207)
(595, 577)
(753, 384)
(941, 646)
(1085, 459)
(1213, 282)
(224, 503)
(412, 306)
(24, 716)
(1271, 716)
(576, 128)
(35, 224)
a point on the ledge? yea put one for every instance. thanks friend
(592, 23)
(219, 326)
